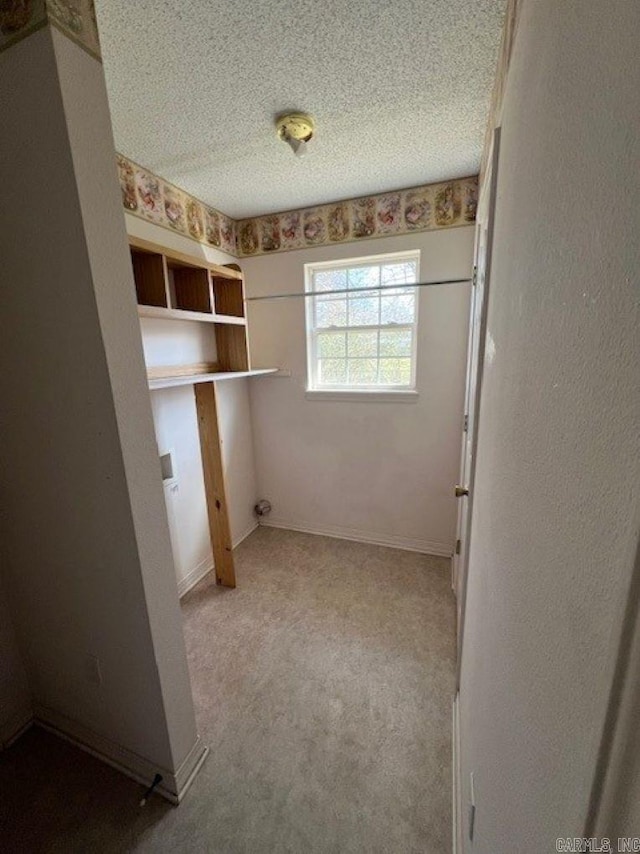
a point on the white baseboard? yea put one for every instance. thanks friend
(204, 567)
(174, 784)
(243, 536)
(428, 547)
(194, 576)
(14, 727)
(189, 767)
(457, 788)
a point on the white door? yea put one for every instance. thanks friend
(475, 363)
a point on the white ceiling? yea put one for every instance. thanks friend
(399, 88)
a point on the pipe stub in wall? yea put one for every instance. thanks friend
(262, 507)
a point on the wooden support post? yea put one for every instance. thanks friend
(220, 532)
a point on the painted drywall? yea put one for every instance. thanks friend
(236, 434)
(86, 545)
(381, 472)
(15, 696)
(176, 427)
(555, 521)
(176, 342)
(174, 414)
(618, 812)
(147, 230)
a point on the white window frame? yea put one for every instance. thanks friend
(377, 393)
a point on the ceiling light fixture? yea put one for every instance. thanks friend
(296, 129)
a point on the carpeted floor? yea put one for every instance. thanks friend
(323, 686)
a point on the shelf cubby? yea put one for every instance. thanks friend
(150, 276)
(228, 296)
(189, 288)
(232, 347)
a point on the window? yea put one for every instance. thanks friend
(359, 340)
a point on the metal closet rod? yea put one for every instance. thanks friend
(305, 294)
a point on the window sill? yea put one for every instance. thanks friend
(364, 396)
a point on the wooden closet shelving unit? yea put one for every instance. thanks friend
(174, 286)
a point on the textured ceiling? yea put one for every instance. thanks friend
(399, 88)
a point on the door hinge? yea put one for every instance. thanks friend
(458, 546)
(465, 426)
(474, 280)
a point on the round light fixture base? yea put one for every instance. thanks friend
(296, 129)
(298, 126)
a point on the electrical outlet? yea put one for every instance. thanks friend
(92, 670)
(168, 465)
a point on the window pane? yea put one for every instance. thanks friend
(399, 292)
(363, 311)
(395, 342)
(364, 277)
(329, 280)
(332, 371)
(332, 344)
(362, 343)
(364, 340)
(331, 313)
(363, 371)
(398, 274)
(397, 309)
(395, 371)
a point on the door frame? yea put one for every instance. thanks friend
(473, 393)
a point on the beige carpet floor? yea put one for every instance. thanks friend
(323, 686)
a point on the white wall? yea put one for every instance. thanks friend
(174, 414)
(15, 696)
(176, 342)
(86, 552)
(619, 813)
(555, 522)
(141, 228)
(382, 472)
(236, 435)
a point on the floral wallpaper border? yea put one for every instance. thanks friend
(433, 206)
(156, 200)
(75, 18)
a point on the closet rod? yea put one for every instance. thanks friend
(305, 294)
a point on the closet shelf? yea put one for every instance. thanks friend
(217, 376)
(181, 314)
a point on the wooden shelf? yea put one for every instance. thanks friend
(175, 286)
(218, 376)
(180, 258)
(183, 283)
(181, 314)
